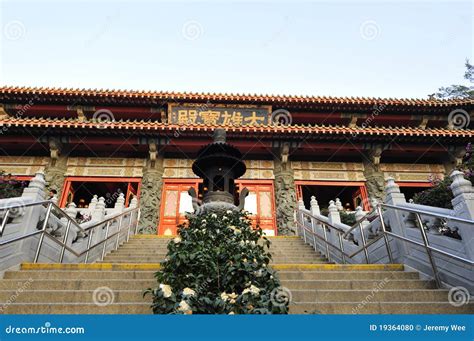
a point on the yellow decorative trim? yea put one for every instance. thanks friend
(23, 165)
(93, 266)
(339, 267)
(330, 171)
(119, 167)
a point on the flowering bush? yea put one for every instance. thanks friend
(216, 265)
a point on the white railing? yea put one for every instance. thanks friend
(33, 230)
(436, 242)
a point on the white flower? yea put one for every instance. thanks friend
(271, 276)
(224, 218)
(241, 243)
(228, 212)
(252, 289)
(213, 215)
(252, 243)
(204, 222)
(244, 260)
(177, 240)
(166, 290)
(231, 313)
(224, 296)
(188, 292)
(184, 306)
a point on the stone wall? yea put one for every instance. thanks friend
(285, 198)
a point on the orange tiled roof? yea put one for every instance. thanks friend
(153, 126)
(191, 96)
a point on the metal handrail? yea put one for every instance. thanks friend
(385, 234)
(70, 221)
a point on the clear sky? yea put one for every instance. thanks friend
(351, 48)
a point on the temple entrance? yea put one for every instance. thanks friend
(80, 190)
(260, 203)
(175, 203)
(351, 194)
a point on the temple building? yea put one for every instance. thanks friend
(143, 144)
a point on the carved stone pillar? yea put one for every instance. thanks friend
(150, 196)
(375, 180)
(285, 198)
(54, 174)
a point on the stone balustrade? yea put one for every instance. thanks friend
(27, 219)
(447, 235)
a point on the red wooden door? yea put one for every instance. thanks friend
(175, 203)
(261, 204)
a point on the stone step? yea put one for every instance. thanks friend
(25, 275)
(72, 283)
(301, 308)
(346, 275)
(73, 296)
(141, 253)
(78, 308)
(146, 274)
(298, 261)
(75, 284)
(392, 295)
(380, 308)
(340, 284)
(157, 259)
(136, 260)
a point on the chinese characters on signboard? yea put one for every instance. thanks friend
(219, 115)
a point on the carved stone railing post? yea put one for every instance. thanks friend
(463, 207)
(393, 218)
(134, 203)
(339, 205)
(98, 213)
(334, 216)
(93, 203)
(334, 219)
(119, 203)
(314, 206)
(71, 210)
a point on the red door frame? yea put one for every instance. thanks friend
(414, 184)
(67, 184)
(173, 181)
(257, 182)
(361, 184)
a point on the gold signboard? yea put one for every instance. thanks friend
(219, 115)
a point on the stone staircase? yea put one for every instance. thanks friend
(115, 285)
